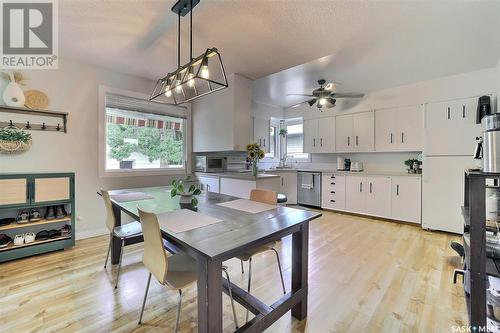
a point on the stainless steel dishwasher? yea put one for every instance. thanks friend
(309, 188)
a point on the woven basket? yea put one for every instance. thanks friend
(12, 147)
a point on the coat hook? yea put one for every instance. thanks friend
(28, 126)
(11, 124)
(44, 127)
(58, 127)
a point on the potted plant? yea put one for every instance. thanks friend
(413, 165)
(187, 197)
(283, 132)
(13, 139)
(254, 155)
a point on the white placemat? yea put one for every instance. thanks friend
(248, 206)
(130, 196)
(183, 220)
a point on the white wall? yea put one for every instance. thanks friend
(451, 87)
(266, 111)
(498, 84)
(74, 88)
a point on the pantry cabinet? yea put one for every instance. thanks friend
(354, 132)
(406, 199)
(319, 135)
(399, 129)
(450, 127)
(261, 133)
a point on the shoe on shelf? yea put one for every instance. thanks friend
(42, 235)
(19, 239)
(50, 214)
(7, 221)
(54, 233)
(29, 237)
(4, 240)
(60, 213)
(23, 217)
(35, 215)
(66, 230)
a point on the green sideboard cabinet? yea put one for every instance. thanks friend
(37, 191)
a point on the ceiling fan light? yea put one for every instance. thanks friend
(322, 101)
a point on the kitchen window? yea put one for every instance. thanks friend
(295, 140)
(141, 137)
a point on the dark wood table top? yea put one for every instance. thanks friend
(219, 241)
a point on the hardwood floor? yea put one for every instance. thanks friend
(365, 275)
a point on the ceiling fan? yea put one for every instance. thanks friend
(325, 95)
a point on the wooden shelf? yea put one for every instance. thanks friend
(30, 224)
(11, 246)
(62, 127)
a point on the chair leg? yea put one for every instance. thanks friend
(279, 267)
(178, 316)
(109, 250)
(145, 296)
(120, 263)
(242, 270)
(231, 296)
(249, 280)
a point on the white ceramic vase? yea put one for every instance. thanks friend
(13, 95)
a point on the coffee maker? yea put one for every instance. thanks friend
(487, 146)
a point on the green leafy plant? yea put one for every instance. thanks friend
(13, 134)
(409, 162)
(283, 132)
(178, 188)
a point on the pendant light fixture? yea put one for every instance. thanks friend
(201, 76)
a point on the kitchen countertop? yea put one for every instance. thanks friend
(363, 173)
(239, 175)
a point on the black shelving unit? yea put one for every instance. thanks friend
(478, 265)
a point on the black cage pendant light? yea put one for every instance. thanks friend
(201, 76)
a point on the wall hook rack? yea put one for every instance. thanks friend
(31, 126)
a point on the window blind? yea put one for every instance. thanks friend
(145, 106)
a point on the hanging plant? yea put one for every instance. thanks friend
(14, 140)
(283, 132)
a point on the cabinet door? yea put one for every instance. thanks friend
(406, 199)
(386, 129)
(209, 183)
(326, 135)
(288, 186)
(311, 144)
(410, 128)
(237, 187)
(378, 196)
(14, 191)
(261, 130)
(466, 129)
(354, 194)
(363, 128)
(51, 189)
(343, 133)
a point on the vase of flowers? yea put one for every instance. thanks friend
(254, 155)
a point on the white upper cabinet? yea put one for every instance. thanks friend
(223, 121)
(399, 129)
(354, 132)
(319, 135)
(450, 127)
(261, 133)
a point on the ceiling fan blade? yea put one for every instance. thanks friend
(331, 86)
(304, 102)
(330, 102)
(299, 95)
(311, 101)
(347, 95)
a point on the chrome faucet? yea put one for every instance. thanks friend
(283, 160)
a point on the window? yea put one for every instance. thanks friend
(273, 142)
(295, 139)
(142, 136)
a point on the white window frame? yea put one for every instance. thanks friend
(104, 173)
(290, 158)
(274, 122)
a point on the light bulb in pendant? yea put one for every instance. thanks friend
(178, 87)
(168, 92)
(190, 77)
(204, 69)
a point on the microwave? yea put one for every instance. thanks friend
(210, 164)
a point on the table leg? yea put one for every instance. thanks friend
(209, 296)
(116, 242)
(300, 254)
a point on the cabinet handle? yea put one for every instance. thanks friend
(370, 187)
(332, 192)
(360, 187)
(333, 177)
(397, 189)
(332, 200)
(321, 142)
(314, 142)
(348, 141)
(448, 112)
(402, 137)
(391, 138)
(463, 111)
(356, 140)
(281, 181)
(332, 183)
(264, 143)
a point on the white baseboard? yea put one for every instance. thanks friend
(91, 233)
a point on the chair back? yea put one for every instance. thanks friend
(154, 258)
(264, 196)
(110, 216)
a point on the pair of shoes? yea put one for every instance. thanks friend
(7, 220)
(55, 212)
(4, 240)
(66, 230)
(26, 238)
(47, 234)
(32, 216)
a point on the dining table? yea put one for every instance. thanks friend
(237, 232)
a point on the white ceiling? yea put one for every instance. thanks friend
(364, 45)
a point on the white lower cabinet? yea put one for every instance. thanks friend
(406, 199)
(394, 197)
(209, 183)
(288, 185)
(241, 188)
